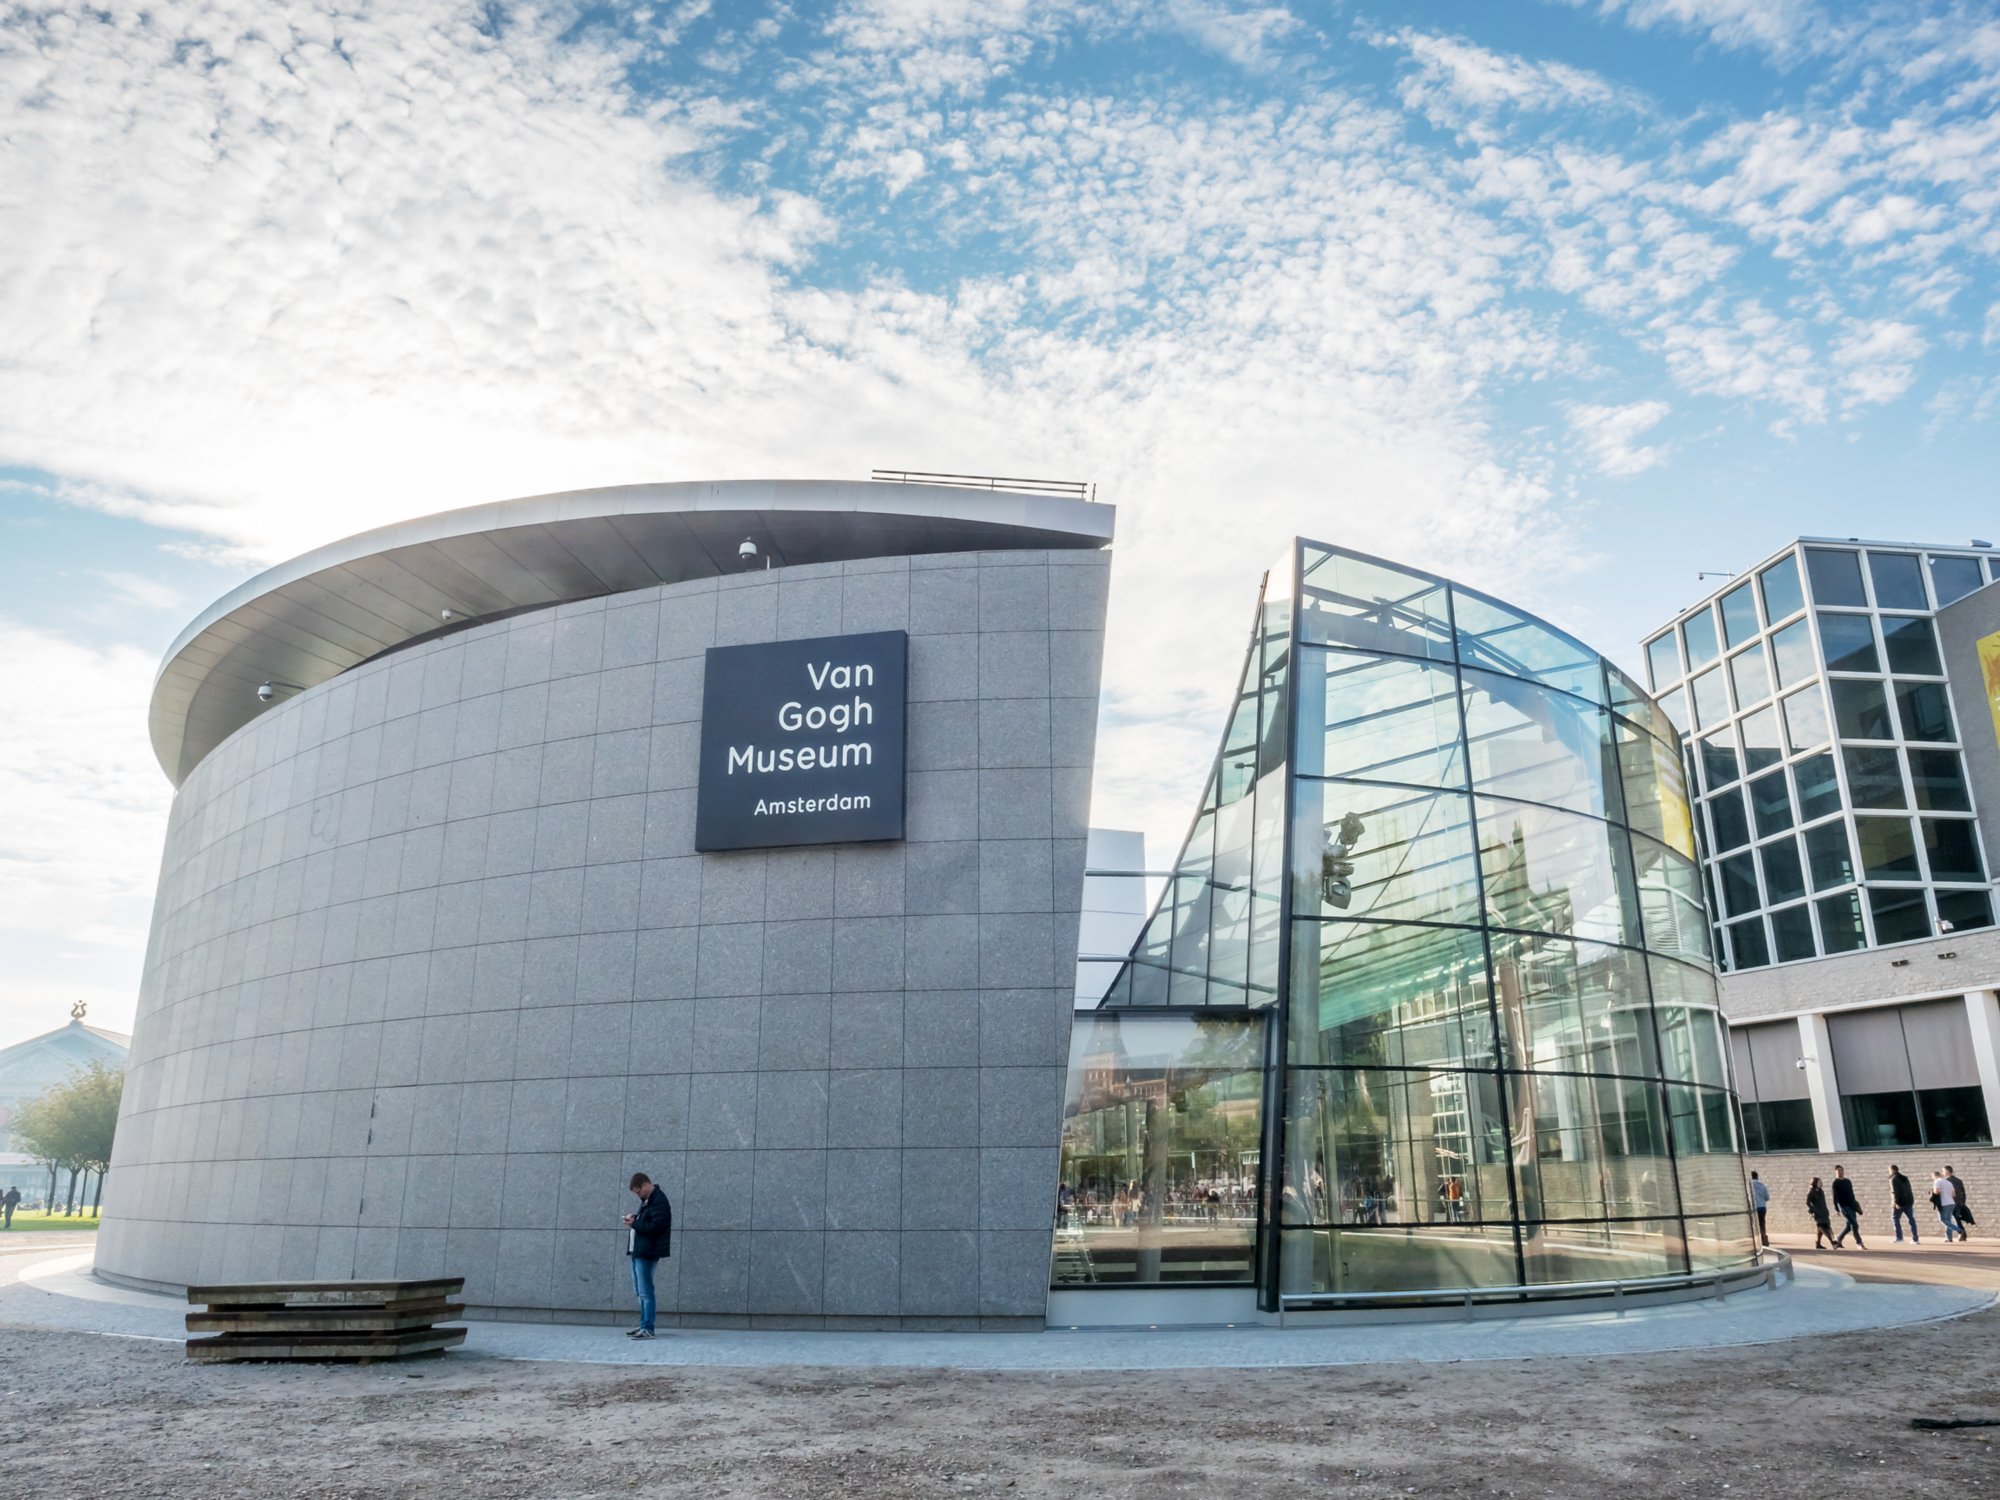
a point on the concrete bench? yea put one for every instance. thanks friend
(324, 1320)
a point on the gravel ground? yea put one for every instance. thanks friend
(106, 1417)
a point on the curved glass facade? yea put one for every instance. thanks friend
(1446, 857)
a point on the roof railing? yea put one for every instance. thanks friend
(1077, 489)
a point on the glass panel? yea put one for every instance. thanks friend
(1878, 1120)
(1819, 790)
(1385, 718)
(1718, 1242)
(1899, 580)
(1626, 1250)
(1738, 875)
(1698, 630)
(1953, 1117)
(1628, 700)
(1782, 595)
(1394, 1146)
(1720, 765)
(1828, 856)
(1784, 879)
(1397, 1260)
(1840, 929)
(1924, 710)
(1849, 643)
(1674, 706)
(1347, 601)
(1382, 995)
(1711, 698)
(1874, 776)
(1162, 1125)
(1952, 578)
(1761, 749)
(1751, 679)
(1655, 789)
(1835, 577)
(1938, 780)
(1952, 849)
(1792, 934)
(1963, 909)
(1553, 871)
(1384, 852)
(1747, 947)
(1860, 709)
(1725, 817)
(1900, 915)
(1492, 635)
(1888, 848)
(1771, 803)
(1663, 662)
(1783, 1125)
(1536, 745)
(1670, 902)
(1911, 645)
(1805, 719)
(1574, 1007)
(1599, 1150)
(1792, 653)
(1739, 614)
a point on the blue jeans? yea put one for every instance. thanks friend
(1949, 1216)
(1901, 1212)
(642, 1286)
(1853, 1226)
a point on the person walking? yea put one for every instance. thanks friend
(1760, 1199)
(1964, 1207)
(650, 1242)
(1904, 1197)
(8, 1204)
(1822, 1224)
(1944, 1198)
(1849, 1208)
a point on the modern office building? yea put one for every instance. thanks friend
(736, 833)
(1426, 1010)
(1835, 703)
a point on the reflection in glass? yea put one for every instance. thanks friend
(1655, 789)
(1495, 636)
(1672, 912)
(1792, 933)
(1964, 909)
(1770, 803)
(1828, 855)
(1698, 630)
(1747, 948)
(1849, 643)
(1711, 698)
(1792, 655)
(1840, 929)
(1888, 848)
(1162, 1129)
(1899, 913)
(1398, 1260)
(1938, 779)
(1784, 877)
(1663, 662)
(1739, 614)
(1782, 595)
(1352, 601)
(1952, 578)
(1720, 764)
(1390, 853)
(1898, 579)
(1371, 994)
(1805, 719)
(1535, 745)
(1861, 710)
(1761, 747)
(1738, 875)
(1818, 788)
(1952, 850)
(1573, 1007)
(1836, 577)
(1924, 710)
(1911, 645)
(1387, 718)
(1874, 776)
(1749, 676)
(1552, 871)
(1725, 817)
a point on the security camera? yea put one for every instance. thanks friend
(447, 615)
(747, 553)
(265, 692)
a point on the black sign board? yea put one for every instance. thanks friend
(802, 742)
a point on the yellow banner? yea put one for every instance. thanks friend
(1989, 671)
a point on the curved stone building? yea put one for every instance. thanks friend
(1427, 1009)
(436, 962)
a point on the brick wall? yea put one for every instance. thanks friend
(1789, 1173)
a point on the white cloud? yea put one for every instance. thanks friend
(1453, 79)
(1609, 435)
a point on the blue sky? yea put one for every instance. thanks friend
(1569, 300)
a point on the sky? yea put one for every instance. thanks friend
(1572, 301)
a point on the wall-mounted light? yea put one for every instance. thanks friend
(1899, 963)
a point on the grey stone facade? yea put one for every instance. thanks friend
(435, 966)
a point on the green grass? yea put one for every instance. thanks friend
(33, 1222)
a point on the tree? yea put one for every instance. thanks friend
(70, 1127)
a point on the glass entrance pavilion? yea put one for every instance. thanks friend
(1427, 1006)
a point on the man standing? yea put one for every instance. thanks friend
(8, 1204)
(1905, 1198)
(1760, 1199)
(651, 1241)
(1964, 1208)
(1848, 1207)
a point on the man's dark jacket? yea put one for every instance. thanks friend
(1843, 1195)
(653, 1227)
(1902, 1192)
